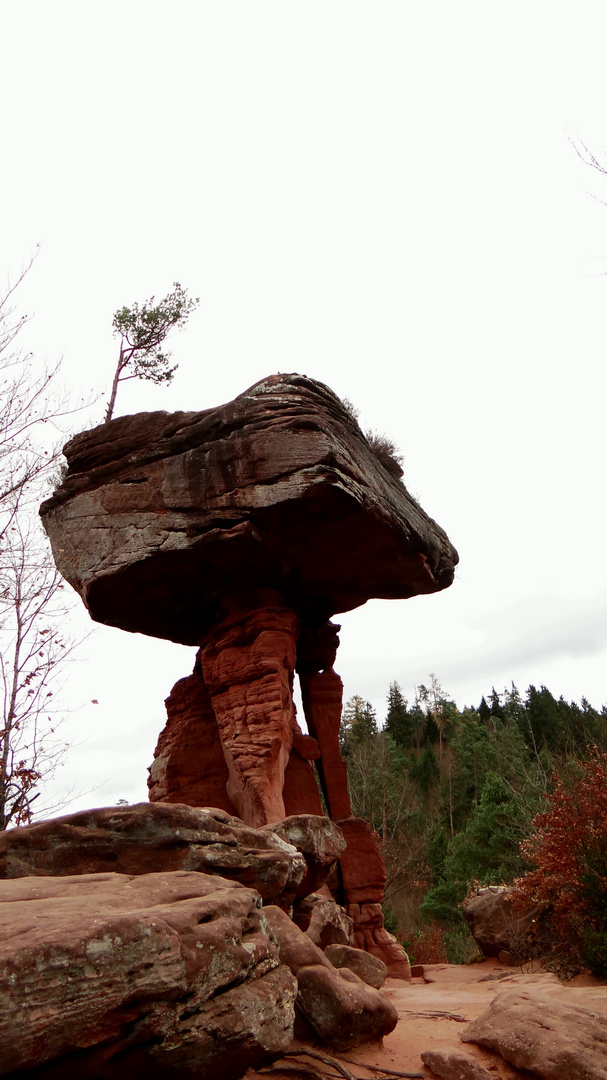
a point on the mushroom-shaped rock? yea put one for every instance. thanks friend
(162, 515)
(242, 529)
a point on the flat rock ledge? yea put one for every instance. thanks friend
(147, 837)
(546, 1032)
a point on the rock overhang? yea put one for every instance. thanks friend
(161, 516)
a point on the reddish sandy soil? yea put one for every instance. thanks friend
(433, 1012)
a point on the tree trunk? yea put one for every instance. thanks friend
(109, 412)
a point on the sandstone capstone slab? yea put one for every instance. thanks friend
(161, 515)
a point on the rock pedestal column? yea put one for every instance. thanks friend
(362, 870)
(248, 661)
(232, 740)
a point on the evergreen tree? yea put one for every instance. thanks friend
(358, 723)
(142, 330)
(486, 852)
(424, 770)
(484, 711)
(399, 724)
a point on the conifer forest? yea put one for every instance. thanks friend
(513, 790)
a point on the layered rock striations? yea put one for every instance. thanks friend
(149, 837)
(161, 516)
(243, 530)
(133, 942)
(108, 976)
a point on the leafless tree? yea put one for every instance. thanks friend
(31, 649)
(32, 608)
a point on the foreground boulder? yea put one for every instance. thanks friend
(369, 968)
(452, 1063)
(323, 920)
(167, 975)
(341, 1009)
(150, 837)
(319, 841)
(546, 1032)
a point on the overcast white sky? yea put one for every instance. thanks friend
(381, 195)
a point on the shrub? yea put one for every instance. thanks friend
(427, 946)
(569, 881)
(385, 451)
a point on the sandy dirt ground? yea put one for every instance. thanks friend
(433, 1012)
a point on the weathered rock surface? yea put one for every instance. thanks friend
(498, 923)
(162, 515)
(164, 975)
(340, 1007)
(546, 1032)
(248, 662)
(151, 837)
(189, 764)
(369, 968)
(319, 840)
(363, 875)
(322, 693)
(362, 867)
(323, 920)
(452, 1063)
(243, 529)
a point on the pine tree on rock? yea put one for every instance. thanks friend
(142, 331)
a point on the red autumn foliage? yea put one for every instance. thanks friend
(429, 946)
(569, 853)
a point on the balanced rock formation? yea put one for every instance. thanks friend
(242, 530)
(109, 976)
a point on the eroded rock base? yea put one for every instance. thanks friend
(232, 740)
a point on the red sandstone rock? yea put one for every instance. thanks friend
(362, 867)
(189, 765)
(498, 923)
(546, 1032)
(369, 968)
(452, 1063)
(340, 1007)
(364, 877)
(162, 515)
(109, 975)
(319, 841)
(300, 792)
(323, 920)
(248, 661)
(322, 694)
(148, 837)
